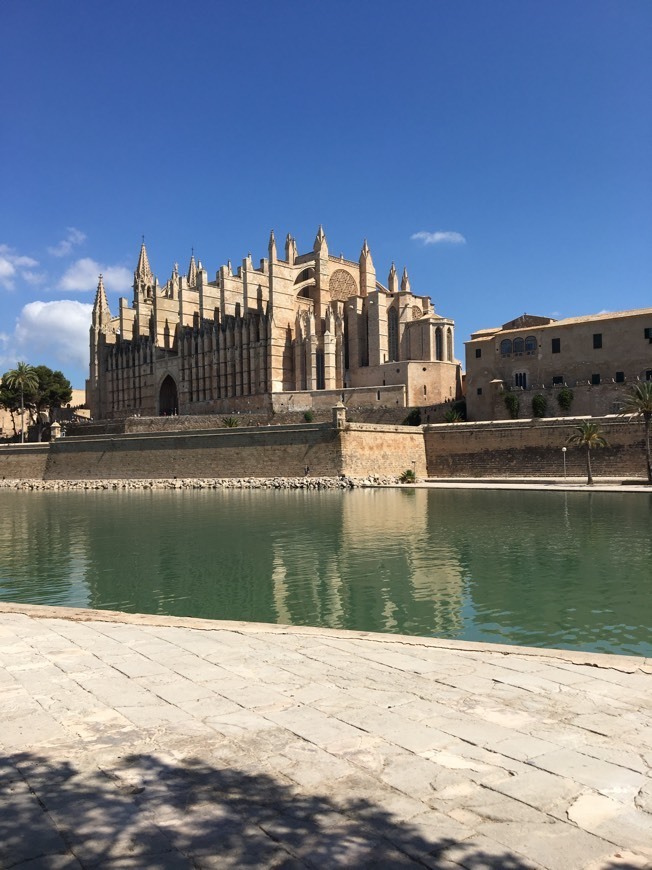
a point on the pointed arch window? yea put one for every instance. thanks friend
(439, 350)
(392, 332)
(449, 344)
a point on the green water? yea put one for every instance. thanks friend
(571, 570)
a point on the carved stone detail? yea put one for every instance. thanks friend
(342, 285)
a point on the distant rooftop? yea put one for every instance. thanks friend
(526, 321)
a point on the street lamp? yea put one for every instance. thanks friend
(563, 453)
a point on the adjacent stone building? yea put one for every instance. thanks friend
(596, 357)
(252, 339)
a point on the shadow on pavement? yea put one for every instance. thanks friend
(145, 811)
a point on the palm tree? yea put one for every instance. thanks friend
(638, 404)
(588, 435)
(23, 377)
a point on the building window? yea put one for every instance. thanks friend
(620, 377)
(647, 333)
(478, 352)
(648, 375)
(556, 345)
(392, 329)
(595, 380)
(479, 391)
(597, 340)
(520, 379)
(519, 346)
(530, 345)
(558, 380)
(506, 347)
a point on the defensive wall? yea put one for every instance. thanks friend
(532, 448)
(514, 448)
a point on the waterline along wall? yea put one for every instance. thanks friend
(493, 449)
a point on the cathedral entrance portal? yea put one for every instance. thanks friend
(168, 400)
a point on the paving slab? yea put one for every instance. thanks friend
(133, 741)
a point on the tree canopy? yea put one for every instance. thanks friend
(37, 388)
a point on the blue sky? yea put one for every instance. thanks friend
(502, 150)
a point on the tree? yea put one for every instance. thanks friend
(589, 436)
(24, 379)
(53, 391)
(638, 404)
(37, 387)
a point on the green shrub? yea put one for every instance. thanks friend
(539, 405)
(230, 422)
(407, 476)
(565, 399)
(513, 404)
(413, 418)
(453, 416)
(309, 416)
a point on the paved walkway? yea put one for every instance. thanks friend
(134, 741)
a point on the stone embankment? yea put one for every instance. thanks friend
(308, 482)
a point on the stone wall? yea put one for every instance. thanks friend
(277, 451)
(382, 450)
(511, 448)
(23, 460)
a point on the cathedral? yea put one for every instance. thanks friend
(311, 327)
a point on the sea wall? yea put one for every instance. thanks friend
(356, 450)
(270, 452)
(383, 450)
(23, 460)
(532, 448)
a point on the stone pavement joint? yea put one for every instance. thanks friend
(135, 741)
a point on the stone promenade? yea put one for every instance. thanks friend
(141, 741)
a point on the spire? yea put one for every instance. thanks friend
(143, 271)
(392, 280)
(405, 281)
(271, 247)
(320, 240)
(290, 249)
(101, 313)
(365, 255)
(192, 271)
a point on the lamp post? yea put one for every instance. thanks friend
(563, 453)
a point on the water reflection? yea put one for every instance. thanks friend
(551, 569)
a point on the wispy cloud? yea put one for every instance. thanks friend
(13, 265)
(439, 238)
(82, 276)
(73, 238)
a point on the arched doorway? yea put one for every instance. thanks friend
(168, 400)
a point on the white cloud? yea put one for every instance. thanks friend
(73, 237)
(58, 329)
(13, 265)
(439, 238)
(83, 275)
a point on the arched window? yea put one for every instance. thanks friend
(530, 344)
(439, 350)
(449, 344)
(392, 334)
(506, 347)
(519, 346)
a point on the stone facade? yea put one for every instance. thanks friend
(303, 323)
(595, 356)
